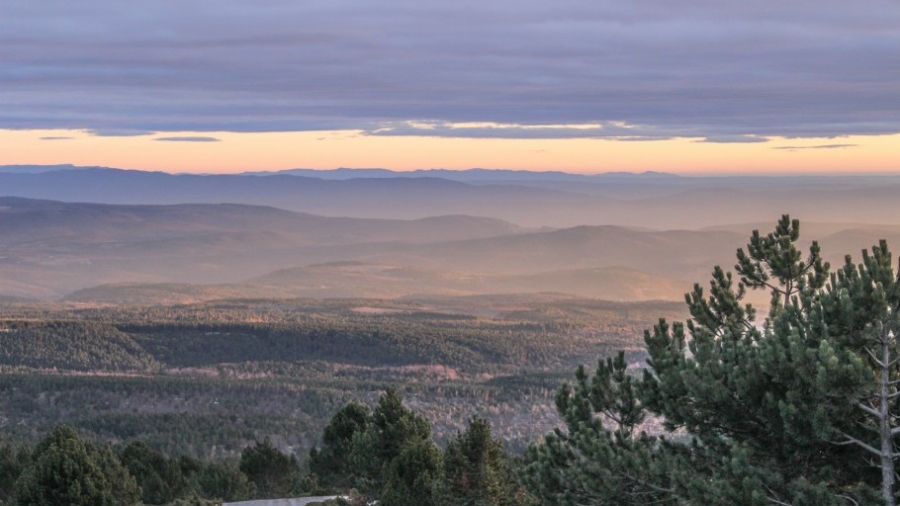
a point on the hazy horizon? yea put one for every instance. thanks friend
(436, 169)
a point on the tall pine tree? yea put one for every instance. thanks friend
(798, 410)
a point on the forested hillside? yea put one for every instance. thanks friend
(204, 379)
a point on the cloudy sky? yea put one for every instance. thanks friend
(594, 85)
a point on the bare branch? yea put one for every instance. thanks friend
(853, 441)
(849, 499)
(870, 410)
(875, 359)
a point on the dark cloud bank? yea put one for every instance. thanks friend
(726, 71)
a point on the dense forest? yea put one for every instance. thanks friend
(205, 380)
(192, 388)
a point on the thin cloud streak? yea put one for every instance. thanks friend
(821, 146)
(188, 139)
(686, 68)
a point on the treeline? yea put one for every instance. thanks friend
(64, 469)
(385, 454)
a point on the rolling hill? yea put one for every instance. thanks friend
(207, 251)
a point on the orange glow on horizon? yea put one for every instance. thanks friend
(239, 152)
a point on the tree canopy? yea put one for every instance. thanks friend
(799, 409)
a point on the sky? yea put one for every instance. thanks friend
(684, 86)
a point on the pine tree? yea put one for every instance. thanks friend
(63, 472)
(123, 486)
(273, 473)
(225, 481)
(413, 476)
(768, 398)
(392, 428)
(784, 413)
(600, 458)
(159, 476)
(860, 313)
(330, 464)
(477, 470)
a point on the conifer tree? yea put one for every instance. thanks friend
(63, 472)
(123, 486)
(792, 412)
(330, 465)
(159, 476)
(392, 427)
(477, 470)
(860, 312)
(600, 457)
(774, 262)
(272, 472)
(225, 481)
(413, 476)
(768, 399)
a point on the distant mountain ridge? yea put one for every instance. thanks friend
(542, 199)
(465, 176)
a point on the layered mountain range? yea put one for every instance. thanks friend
(649, 200)
(618, 236)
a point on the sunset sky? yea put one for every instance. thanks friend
(685, 86)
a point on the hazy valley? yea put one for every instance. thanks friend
(222, 310)
(654, 244)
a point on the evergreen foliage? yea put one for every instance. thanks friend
(392, 427)
(160, 477)
(63, 472)
(600, 458)
(273, 473)
(330, 465)
(123, 486)
(413, 476)
(797, 411)
(13, 463)
(477, 470)
(392, 459)
(224, 481)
